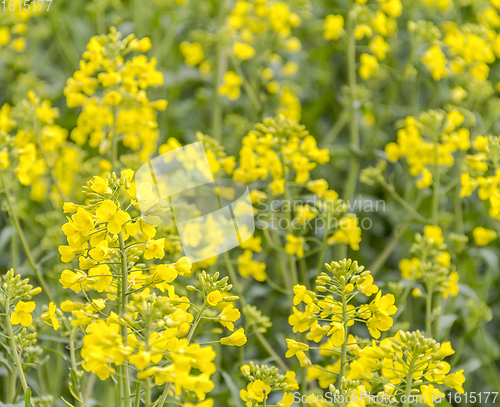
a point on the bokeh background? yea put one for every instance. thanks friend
(300, 69)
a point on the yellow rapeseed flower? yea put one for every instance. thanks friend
(22, 313)
(237, 338)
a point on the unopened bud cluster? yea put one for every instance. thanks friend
(210, 283)
(269, 375)
(13, 288)
(255, 317)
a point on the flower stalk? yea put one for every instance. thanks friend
(350, 185)
(15, 351)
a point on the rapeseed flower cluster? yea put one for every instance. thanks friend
(373, 26)
(112, 94)
(431, 263)
(263, 381)
(275, 148)
(429, 143)
(248, 25)
(407, 363)
(132, 316)
(467, 49)
(39, 152)
(133, 311)
(482, 174)
(282, 153)
(13, 28)
(17, 307)
(347, 280)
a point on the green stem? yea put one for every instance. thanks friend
(217, 109)
(220, 69)
(14, 247)
(322, 251)
(304, 272)
(389, 248)
(436, 319)
(428, 312)
(74, 366)
(164, 395)
(138, 387)
(123, 310)
(406, 292)
(148, 393)
(114, 152)
(459, 221)
(272, 243)
(352, 178)
(119, 384)
(437, 181)
(262, 339)
(493, 374)
(276, 286)
(24, 242)
(281, 260)
(249, 90)
(270, 349)
(343, 357)
(11, 387)
(342, 120)
(89, 387)
(342, 250)
(291, 257)
(390, 188)
(13, 345)
(195, 324)
(409, 382)
(286, 275)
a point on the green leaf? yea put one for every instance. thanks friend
(234, 390)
